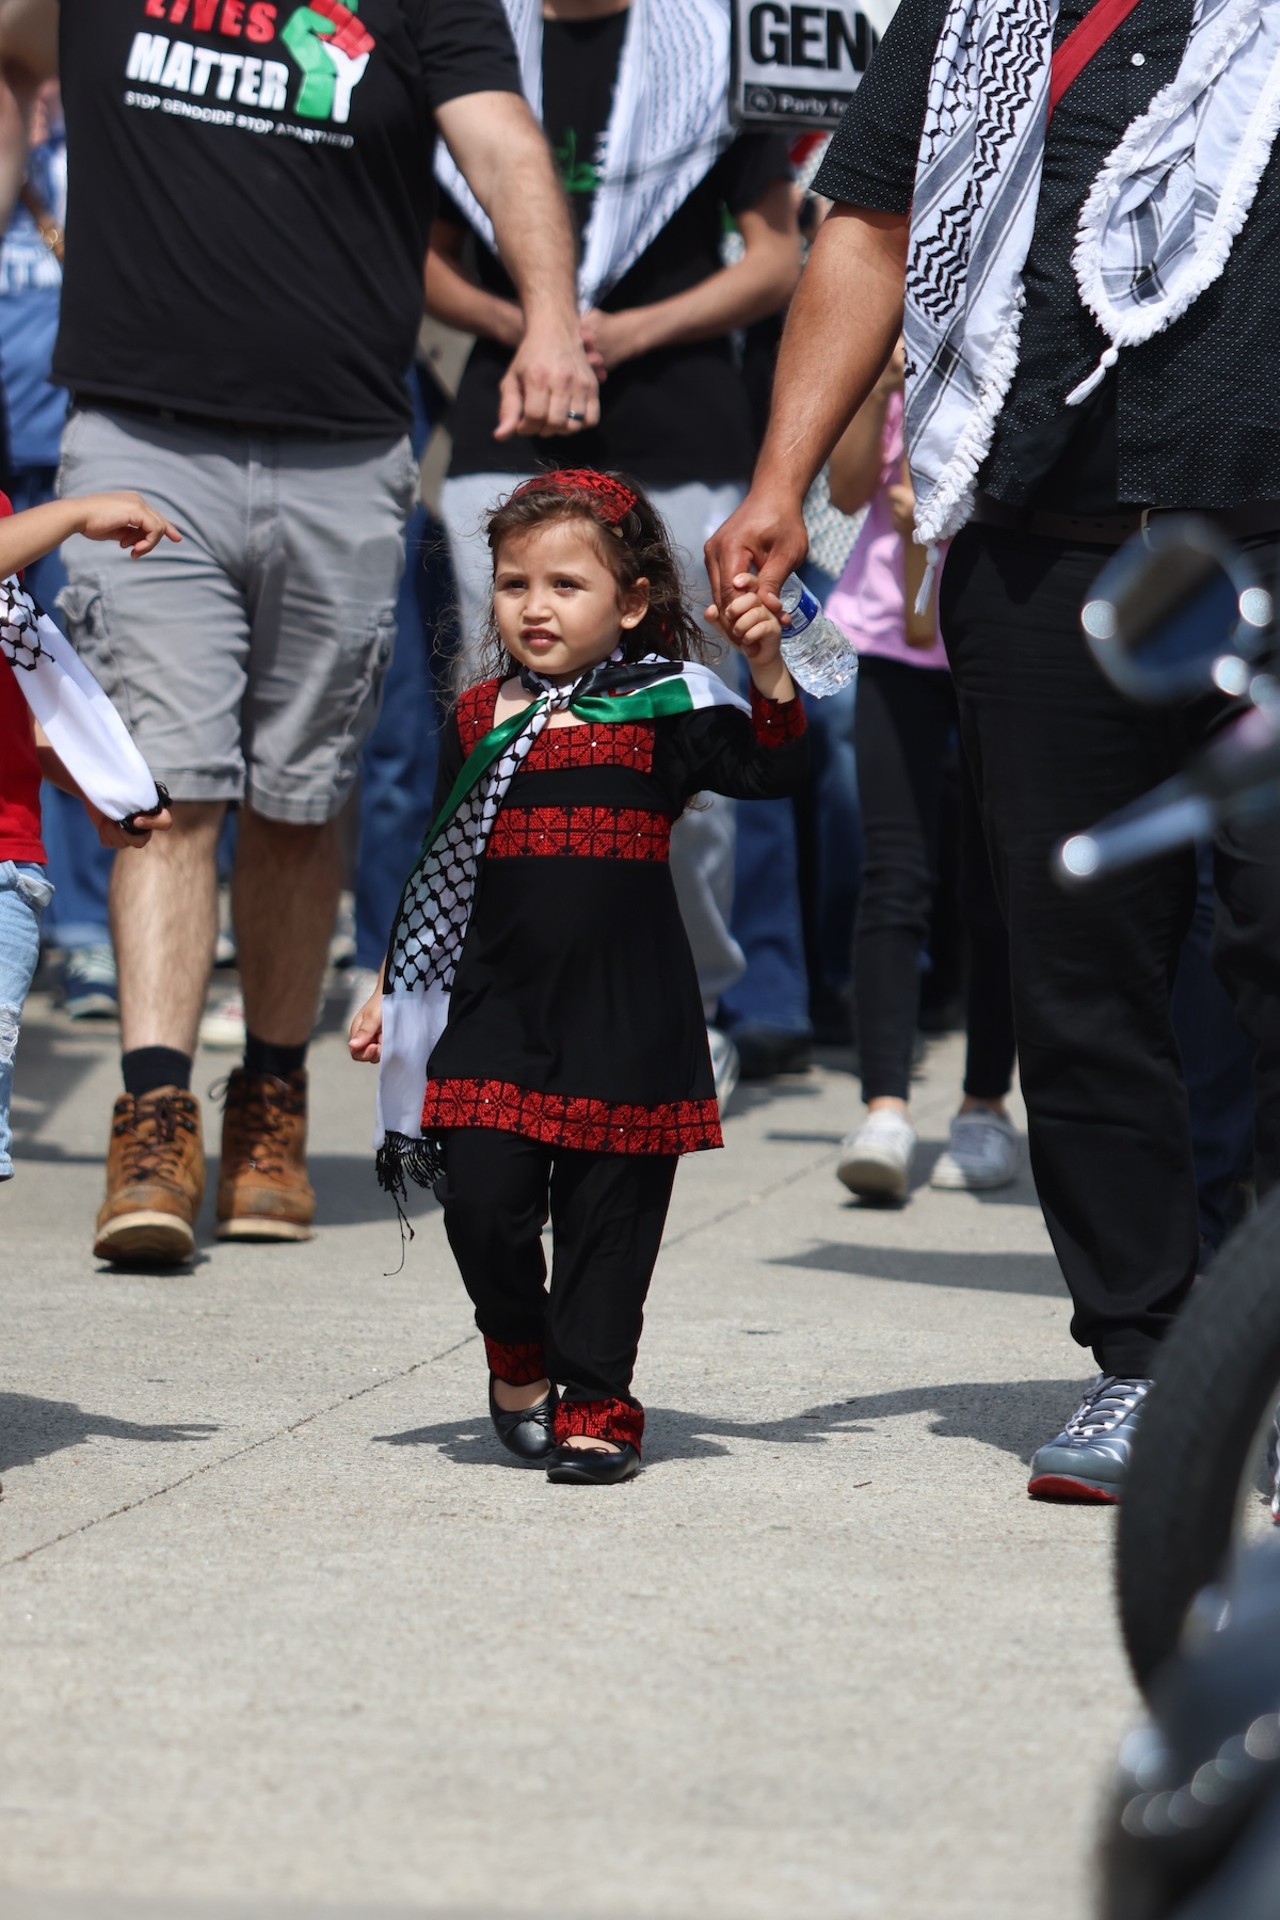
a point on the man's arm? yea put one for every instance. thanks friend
(502, 152)
(28, 41)
(844, 321)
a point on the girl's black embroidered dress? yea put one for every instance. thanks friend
(575, 1017)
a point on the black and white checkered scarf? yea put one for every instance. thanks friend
(1156, 228)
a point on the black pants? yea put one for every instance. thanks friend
(607, 1213)
(1053, 748)
(903, 723)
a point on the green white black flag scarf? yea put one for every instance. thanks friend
(1155, 231)
(435, 908)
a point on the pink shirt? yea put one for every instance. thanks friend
(869, 601)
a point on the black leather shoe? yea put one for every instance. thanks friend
(586, 1467)
(528, 1431)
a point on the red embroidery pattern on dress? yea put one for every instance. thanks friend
(518, 1364)
(776, 723)
(616, 1420)
(604, 745)
(584, 833)
(474, 713)
(572, 1120)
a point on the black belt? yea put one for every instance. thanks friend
(1113, 529)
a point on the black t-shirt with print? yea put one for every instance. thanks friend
(681, 413)
(251, 197)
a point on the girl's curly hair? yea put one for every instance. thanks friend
(634, 544)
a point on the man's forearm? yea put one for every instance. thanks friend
(504, 154)
(549, 386)
(844, 321)
(535, 238)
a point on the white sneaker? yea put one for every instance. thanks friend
(222, 1025)
(725, 1065)
(876, 1160)
(983, 1153)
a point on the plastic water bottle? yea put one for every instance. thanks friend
(819, 655)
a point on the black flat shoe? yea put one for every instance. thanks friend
(527, 1432)
(585, 1467)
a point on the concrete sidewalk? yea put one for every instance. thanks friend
(284, 1635)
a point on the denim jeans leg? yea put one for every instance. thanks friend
(80, 867)
(773, 993)
(24, 893)
(79, 864)
(398, 767)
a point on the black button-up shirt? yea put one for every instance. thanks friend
(1189, 419)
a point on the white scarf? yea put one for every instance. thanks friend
(668, 124)
(1155, 231)
(79, 721)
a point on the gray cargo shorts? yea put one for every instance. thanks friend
(248, 661)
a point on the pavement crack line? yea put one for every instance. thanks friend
(238, 1453)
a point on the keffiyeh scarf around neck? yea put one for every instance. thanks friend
(1156, 228)
(668, 124)
(79, 721)
(435, 908)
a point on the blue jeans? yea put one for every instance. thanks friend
(398, 768)
(774, 991)
(398, 764)
(24, 894)
(78, 862)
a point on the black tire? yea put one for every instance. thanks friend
(1217, 1375)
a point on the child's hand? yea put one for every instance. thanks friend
(749, 624)
(112, 834)
(125, 518)
(366, 1029)
(902, 510)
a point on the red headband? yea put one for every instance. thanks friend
(610, 500)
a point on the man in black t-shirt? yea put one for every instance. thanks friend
(250, 206)
(1039, 437)
(675, 409)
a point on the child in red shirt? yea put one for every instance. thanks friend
(26, 757)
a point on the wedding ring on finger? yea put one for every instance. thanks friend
(575, 419)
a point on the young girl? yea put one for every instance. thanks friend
(539, 981)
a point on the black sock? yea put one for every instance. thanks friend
(147, 1068)
(261, 1056)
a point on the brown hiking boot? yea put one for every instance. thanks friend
(155, 1179)
(263, 1190)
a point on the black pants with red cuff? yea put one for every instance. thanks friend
(607, 1213)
